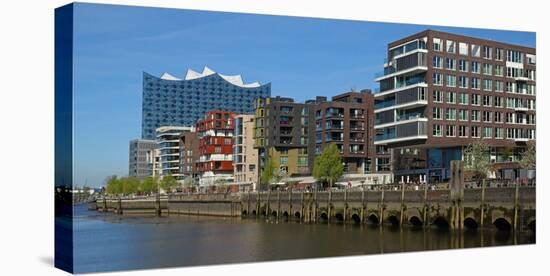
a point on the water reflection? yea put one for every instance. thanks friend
(106, 241)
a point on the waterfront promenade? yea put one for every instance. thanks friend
(511, 208)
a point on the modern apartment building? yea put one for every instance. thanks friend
(142, 158)
(168, 139)
(440, 92)
(282, 134)
(245, 156)
(189, 155)
(348, 122)
(171, 101)
(215, 133)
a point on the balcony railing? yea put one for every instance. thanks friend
(335, 115)
(403, 131)
(405, 117)
(384, 104)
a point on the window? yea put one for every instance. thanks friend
(476, 50)
(499, 54)
(437, 96)
(451, 80)
(436, 114)
(510, 117)
(450, 131)
(474, 131)
(487, 116)
(498, 101)
(450, 97)
(510, 103)
(450, 114)
(498, 117)
(284, 160)
(437, 131)
(437, 44)
(475, 67)
(498, 70)
(498, 86)
(476, 98)
(451, 46)
(487, 85)
(463, 98)
(450, 63)
(512, 72)
(499, 133)
(510, 87)
(531, 59)
(475, 115)
(487, 132)
(475, 83)
(463, 65)
(486, 100)
(530, 74)
(437, 62)
(463, 48)
(487, 69)
(462, 131)
(463, 81)
(463, 115)
(531, 89)
(437, 79)
(514, 56)
(487, 52)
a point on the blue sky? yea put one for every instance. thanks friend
(301, 57)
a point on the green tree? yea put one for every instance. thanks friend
(270, 173)
(328, 165)
(149, 184)
(168, 183)
(130, 185)
(113, 185)
(529, 156)
(477, 159)
(507, 153)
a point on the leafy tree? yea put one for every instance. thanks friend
(168, 183)
(130, 185)
(477, 159)
(328, 165)
(529, 156)
(507, 152)
(149, 184)
(270, 173)
(113, 185)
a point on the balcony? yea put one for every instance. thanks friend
(335, 115)
(357, 127)
(403, 85)
(521, 108)
(401, 133)
(384, 104)
(285, 131)
(521, 139)
(334, 139)
(409, 64)
(336, 127)
(285, 140)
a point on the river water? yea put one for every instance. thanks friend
(107, 242)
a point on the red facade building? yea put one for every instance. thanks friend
(215, 132)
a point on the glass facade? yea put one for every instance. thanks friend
(174, 102)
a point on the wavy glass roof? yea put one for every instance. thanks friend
(191, 75)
